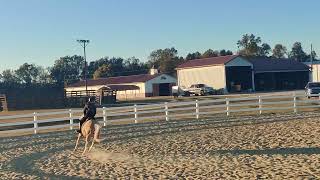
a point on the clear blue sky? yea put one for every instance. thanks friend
(40, 31)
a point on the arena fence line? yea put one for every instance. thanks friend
(162, 111)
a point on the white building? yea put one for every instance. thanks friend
(314, 71)
(131, 87)
(235, 73)
(218, 72)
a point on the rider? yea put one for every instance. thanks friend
(89, 111)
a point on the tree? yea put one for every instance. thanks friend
(297, 53)
(223, 52)
(118, 66)
(249, 45)
(165, 59)
(279, 51)
(8, 77)
(264, 50)
(28, 73)
(192, 56)
(94, 65)
(312, 55)
(210, 53)
(102, 71)
(67, 69)
(133, 66)
(44, 76)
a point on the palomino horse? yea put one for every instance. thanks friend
(89, 130)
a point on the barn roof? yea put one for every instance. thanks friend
(120, 87)
(220, 60)
(116, 80)
(262, 64)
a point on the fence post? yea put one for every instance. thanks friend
(260, 105)
(135, 114)
(71, 119)
(35, 123)
(294, 103)
(197, 109)
(166, 110)
(227, 105)
(104, 114)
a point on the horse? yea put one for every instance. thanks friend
(89, 130)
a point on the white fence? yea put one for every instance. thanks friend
(161, 111)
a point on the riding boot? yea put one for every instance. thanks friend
(81, 122)
(79, 131)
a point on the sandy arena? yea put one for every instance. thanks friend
(261, 147)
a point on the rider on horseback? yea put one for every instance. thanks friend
(89, 111)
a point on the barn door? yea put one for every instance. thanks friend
(155, 89)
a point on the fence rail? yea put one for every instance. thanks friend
(161, 111)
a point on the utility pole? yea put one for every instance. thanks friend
(311, 66)
(84, 44)
(311, 55)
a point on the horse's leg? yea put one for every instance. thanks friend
(93, 134)
(85, 146)
(77, 142)
(91, 144)
(97, 134)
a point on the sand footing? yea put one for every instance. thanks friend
(257, 147)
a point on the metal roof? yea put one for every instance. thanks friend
(220, 60)
(263, 64)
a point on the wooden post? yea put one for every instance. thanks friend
(101, 94)
(35, 123)
(166, 110)
(260, 105)
(252, 76)
(197, 109)
(227, 105)
(135, 114)
(3, 102)
(71, 119)
(104, 113)
(294, 103)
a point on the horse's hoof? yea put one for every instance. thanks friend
(99, 140)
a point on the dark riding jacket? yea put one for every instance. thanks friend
(90, 110)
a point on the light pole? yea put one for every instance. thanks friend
(84, 44)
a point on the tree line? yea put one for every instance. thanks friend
(70, 69)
